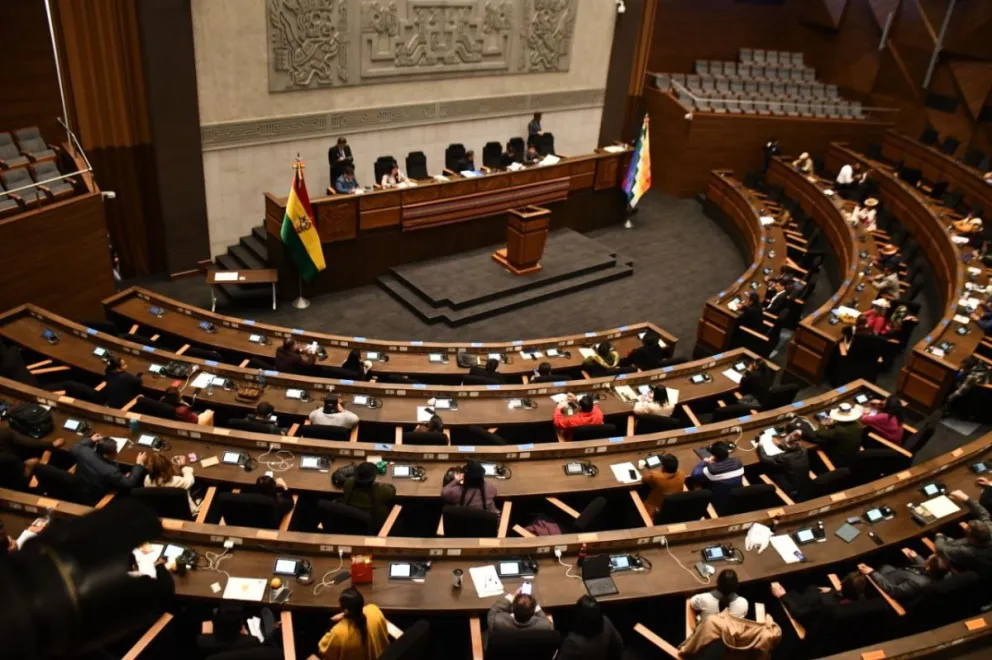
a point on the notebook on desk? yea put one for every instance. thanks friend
(596, 576)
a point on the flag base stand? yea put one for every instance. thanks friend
(630, 212)
(301, 302)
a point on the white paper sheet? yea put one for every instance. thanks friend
(786, 548)
(941, 506)
(202, 380)
(121, 443)
(550, 160)
(245, 588)
(844, 310)
(255, 628)
(673, 395)
(469, 174)
(486, 581)
(766, 443)
(586, 352)
(226, 277)
(558, 398)
(423, 415)
(146, 556)
(766, 220)
(733, 375)
(440, 177)
(963, 320)
(622, 472)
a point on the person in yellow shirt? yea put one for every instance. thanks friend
(359, 631)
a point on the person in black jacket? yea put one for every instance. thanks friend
(96, 467)
(543, 374)
(339, 157)
(276, 489)
(121, 386)
(755, 384)
(648, 355)
(791, 466)
(752, 315)
(593, 635)
(262, 418)
(806, 606)
(488, 372)
(905, 584)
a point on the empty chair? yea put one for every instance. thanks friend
(702, 67)
(525, 644)
(730, 69)
(546, 144)
(973, 157)
(83, 392)
(730, 412)
(657, 424)
(519, 148)
(737, 87)
(340, 518)
(19, 178)
(248, 510)
(750, 498)
(8, 203)
(797, 60)
(758, 55)
(832, 92)
(662, 81)
(204, 354)
(733, 106)
(44, 171)
(468, 522)
(929, 136)
(166, 502)
(828, 483)
(744, 71)
(771, 57)
(416, 165)
(32, 145)
(594, 432)
(61, 485)
(424, 438)
(453, 156)
(10, 155)
(805, 109)
(684, 507)
(383, 165)
(950, 145)
(491, 155)
(692, 81)
(147, 406)
(411, 645)
(323, 432)
(779, 395)
(809, 75)
(747, 55)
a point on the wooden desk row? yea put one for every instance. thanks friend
(477, 405)
(938, 166)
(255, 550)
(232, 337)
(536, 470)
(854, 247)
(926, 378)
(766, 248)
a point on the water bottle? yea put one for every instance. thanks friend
(133, 423)
(261, 378)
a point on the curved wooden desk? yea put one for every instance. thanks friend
(477, 405)
(766, 247)
(926, 378)
(182, 321)
(854, 247)
(938, 166)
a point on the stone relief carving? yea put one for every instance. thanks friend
(312, 43)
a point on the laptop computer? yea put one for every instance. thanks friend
(596, 576)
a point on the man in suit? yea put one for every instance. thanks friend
(488, 372)
(839, 434)
(904, 584)
(514, 613)
(807, 605)
(648, 355)
(531, 156)
(974, 551)
(346, 182)
(339, 157)
(752, 315)
(97, 468)
(508, 157)
(543, 374)
(466, 162)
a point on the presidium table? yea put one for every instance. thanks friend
(364, 235)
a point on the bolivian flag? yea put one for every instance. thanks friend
(638, 179)
(299, 234)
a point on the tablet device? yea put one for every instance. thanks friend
(147, 440)
(172, 551)
(963, 330)
(442, 404)
(527, 588)
(714, 553)
(495, 356)
(402, 471)
(436, 358)
(372, 355)
(257, 339)
(286, 566)
(294, 394)
(979, 468)
(804, 536)
(861, 399)
(400, 571)
(100, 352)
(71, 425)
(155, 368)
(652, 461)
(552, 352)
(573, 469)
(231, 457)
(311, 463)
(874, 515)
(699, 378)
(508, 569)
(490, 469)
(361, 400)
(619, 562)
(741, 367)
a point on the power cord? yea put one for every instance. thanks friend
(214, 560)
(568, 567)
(664, 542)
(282, 462)
(325, 581)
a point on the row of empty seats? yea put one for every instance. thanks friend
(773, 57)
(779, 107)
(24, 146)
(972, 158)
(703, 85)
(753, 71)
(27, 165)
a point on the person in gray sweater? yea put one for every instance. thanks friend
(974, 551)
(593, 635)
(510, 615)
(905, 584)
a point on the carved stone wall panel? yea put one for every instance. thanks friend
(332, 43)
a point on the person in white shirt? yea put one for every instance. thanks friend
(162, 473)
(865, 214)
(845, 177)
(654, 402)
(394, 177)
(804, 163)
(333, 414)
(722, 598)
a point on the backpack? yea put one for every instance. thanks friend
(342, 474)
(31, 420)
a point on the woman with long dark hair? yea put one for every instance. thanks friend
(593, 635)
(722, 598)
(470, 488)
(885, 418)
(359, 631)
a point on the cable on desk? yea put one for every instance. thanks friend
(214, 561)
(695, 577)
(282, 462)
(568, 570)
(324, 581)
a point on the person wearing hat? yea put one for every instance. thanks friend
(888, 256)
(970, 224)
(804, 163)
(470, 488)
(839, 434)
(876, 318)
(365, 494)
(865, 213)
(887, 282)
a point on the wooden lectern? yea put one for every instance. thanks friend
(526, 234)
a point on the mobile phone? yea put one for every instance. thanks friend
(853, 520)
(285, 566)
(861, 399)
(156, 311)
(632, 473)
(876, 538)
(281, 595)
(574, 469)
(402, 471)
(979, 468)
(207, 325)
(49, 335)
(527, 588)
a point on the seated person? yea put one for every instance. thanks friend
(294, 358)
(8, 543)
(588, 413)
(752, 314)
(531, 156)
(183, 412)
(359, 632)
(356, 365)
(265, 413)
(470, 488)
(724, 597)
(339, 157)
(864, 214)
(667, 480)
(780, 293)
(346, 181)
(488, 371)
(393, 177)
(905, 584)
(791, 466)
(885, 418)
(467, 162)
(876, 318)
(230, 630)
(276, 488)
(163, 473)
(807, 605)
(121, 386)
(364, 493)
(514, 613)
(983, 316)
(970, 224)
(755, 383)
(603, 360)
(720, 472)
(887, 282)
(839, 434)
(593, 636)
(888, 256)
(737, 636)
(96, 467)
(543, 374)
(849, 176)
(648, 355)
(974, 551)
(804, 163)
(333, 413)
(434, 425)
(654, 402)
(508, 157)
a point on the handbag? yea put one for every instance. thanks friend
(343, 474)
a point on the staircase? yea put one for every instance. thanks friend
(250, 253)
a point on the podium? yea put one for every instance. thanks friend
(526, 234)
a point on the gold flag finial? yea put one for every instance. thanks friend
(298, 165)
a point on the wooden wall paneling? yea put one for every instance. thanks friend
(29, 95)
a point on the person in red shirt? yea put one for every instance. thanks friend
(588, 413)
(876, 318)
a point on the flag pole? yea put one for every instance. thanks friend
(300, 302)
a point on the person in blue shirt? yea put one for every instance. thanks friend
(347, 183)
(720, 473)
(534, 127)
(985, 320)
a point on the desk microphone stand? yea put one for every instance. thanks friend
(301, 302)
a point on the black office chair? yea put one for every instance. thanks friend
(416, 165)
(929, 136)
(256, 363)
(750, 498)
(470, 379)
(822, 635)
(730, 412)
(412, 644)
(828, 483)
(466, 522)
(453, 156)
(323, 432)
(594, 432)
(61, 485)
(248, 510)
(491, 154)
(546, 144)
(260, 652)
(383, 165)
(153, 408)
(519, 148)
(424, 438)
(165, 502)
(915, 442)
(779, 395)
(477, 435)
(83, 392)
(874, 463)
(12, 472)
(656, 424)
(524, 645)
(105, 327)
(253, 426)
(939, 190)
(950, 145)
(203, 354)
(586, 522)
(684, 507)
(340, 518)
(874, 151)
